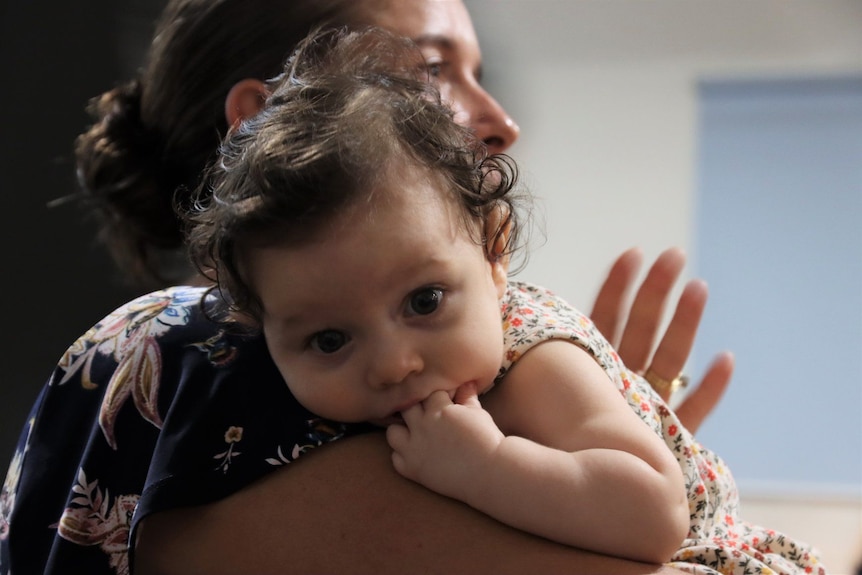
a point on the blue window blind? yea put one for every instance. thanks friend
(778, 237)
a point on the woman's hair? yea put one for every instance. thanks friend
(350, 109)
(154, 135)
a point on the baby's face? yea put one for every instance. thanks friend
(389, 304)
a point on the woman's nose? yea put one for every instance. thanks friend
(489, 119)
(394, 363)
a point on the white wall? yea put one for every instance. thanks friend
(605, 92)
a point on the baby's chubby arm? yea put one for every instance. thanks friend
(563, 457)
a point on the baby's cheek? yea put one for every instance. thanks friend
(300, 392)
(316, 402)
(491, 360)
(335, 400)
(302, 386)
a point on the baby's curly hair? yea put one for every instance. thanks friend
(349, 106)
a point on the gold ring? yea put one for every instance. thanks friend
(662, 385)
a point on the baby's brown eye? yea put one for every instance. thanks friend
(426, 301)
(328, 341)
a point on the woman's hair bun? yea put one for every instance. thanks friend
(120, 173)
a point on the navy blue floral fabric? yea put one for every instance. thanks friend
(153, 408)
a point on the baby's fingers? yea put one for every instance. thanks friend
(467, 395)
(398, 436)
(399, 463)
(413, 415)
(436, 402)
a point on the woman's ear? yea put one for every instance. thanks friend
(244, 100)
(498, 228)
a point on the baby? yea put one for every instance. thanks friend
(369, 237)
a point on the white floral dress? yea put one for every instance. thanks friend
(718, 541)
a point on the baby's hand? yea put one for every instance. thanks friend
(445, 444)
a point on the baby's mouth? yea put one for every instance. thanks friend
(395, 418)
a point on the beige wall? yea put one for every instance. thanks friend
(605, 93)
(832, 523)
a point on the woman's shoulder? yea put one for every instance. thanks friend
(157, 406)
(155, 343)
(159, 311)
(170, 316)
(147, 349)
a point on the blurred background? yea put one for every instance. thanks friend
(732, 129)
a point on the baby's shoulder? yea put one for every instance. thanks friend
(532, 299)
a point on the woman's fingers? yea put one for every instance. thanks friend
(611, 307)
(635, 342)
(672, 352)
(644, 320)
(703, 399)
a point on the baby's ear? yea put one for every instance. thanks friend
(498, 227)
(245, 99)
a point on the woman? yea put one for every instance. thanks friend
(328, 514)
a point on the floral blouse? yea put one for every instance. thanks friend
(718, 541)
(153, 408)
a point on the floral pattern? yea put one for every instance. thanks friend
(232, 436)
(95, 519)
(211, 413)
(718, 542)
(10, 484)
(320, 431)
(129, 335)
(7, 495)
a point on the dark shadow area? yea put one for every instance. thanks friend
(56, 280)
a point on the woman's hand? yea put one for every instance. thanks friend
(634, 331)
